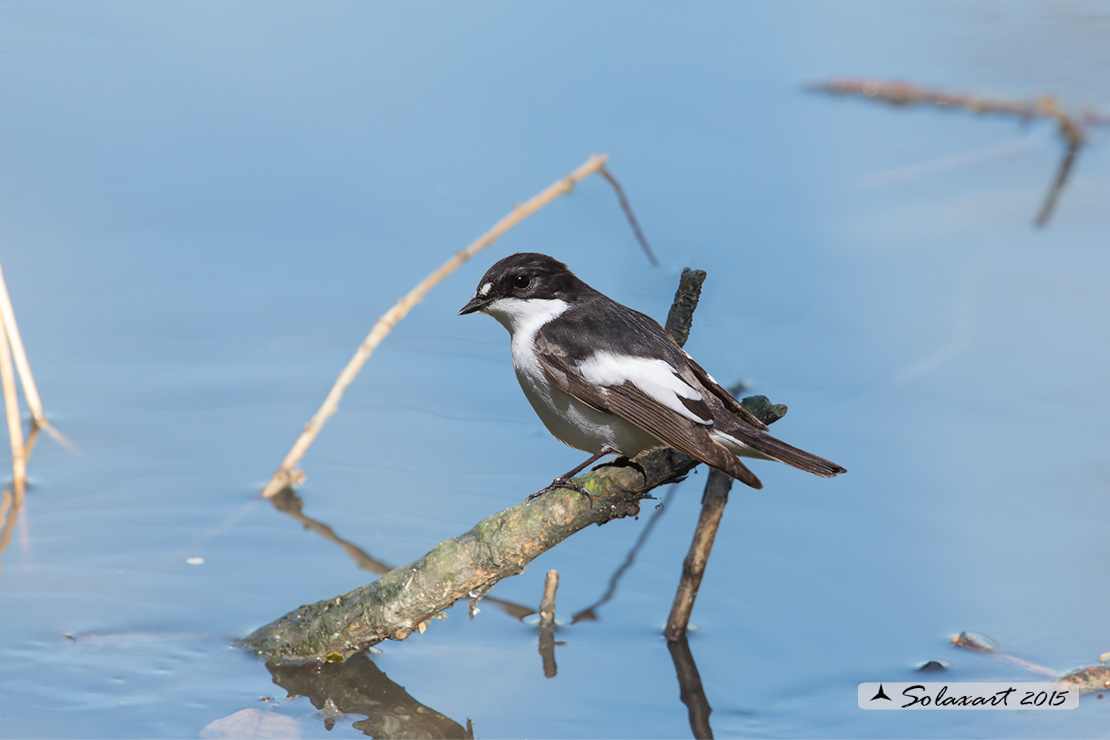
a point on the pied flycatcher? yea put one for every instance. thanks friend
(606, 379)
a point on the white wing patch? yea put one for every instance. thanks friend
(654, 377)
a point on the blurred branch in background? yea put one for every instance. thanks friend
(286, 474)
(1072, 127)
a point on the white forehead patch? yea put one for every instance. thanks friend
(654, 377)
(484, 290)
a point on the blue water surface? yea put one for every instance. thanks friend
(205, 206)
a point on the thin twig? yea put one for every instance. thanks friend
(627, 208)
(547, 604)
(693, 568)
(285, 474)
(1062, 174)
(15, 428)
(547, 624)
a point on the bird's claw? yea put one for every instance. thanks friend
(563, 482)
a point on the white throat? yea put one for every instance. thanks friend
(523, 318)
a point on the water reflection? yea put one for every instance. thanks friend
(691, 691)
(357, 686)
(289, 503)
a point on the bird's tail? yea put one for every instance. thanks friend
(756, 443)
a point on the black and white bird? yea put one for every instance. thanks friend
(606, 379)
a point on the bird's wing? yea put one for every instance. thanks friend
(644, 392)
(726, 399)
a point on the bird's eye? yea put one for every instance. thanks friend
(522, 281)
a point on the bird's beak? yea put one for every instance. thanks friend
(476, 304)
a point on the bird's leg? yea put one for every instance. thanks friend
(563, 481)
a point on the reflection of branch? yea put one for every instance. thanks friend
(1071, 127)
(286, 474)
(8, 514)
(9, 504)
(690, 688)
(290, 503)
(357, 686)
(590, 612)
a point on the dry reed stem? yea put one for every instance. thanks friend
(30, 392)
(285, 474)
(15, 428)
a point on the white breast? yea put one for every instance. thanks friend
(571, 421)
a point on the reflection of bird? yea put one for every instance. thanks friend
(607, 379)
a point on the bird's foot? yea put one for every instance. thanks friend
(563, 482)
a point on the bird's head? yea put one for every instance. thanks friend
(524, 287)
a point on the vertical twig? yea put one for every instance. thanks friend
(285, 474)
(1062, 173)
(547, 624)
(693, 568)
(681, 315)
(15, 428)
(547, 604)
